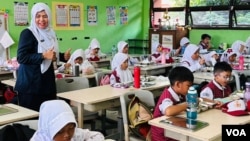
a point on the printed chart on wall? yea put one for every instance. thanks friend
(123, 15)
(167, 41)
(4, 52)
(111, 15)
(92, 15)
(67, 16)
(154, 42)
(21, 13)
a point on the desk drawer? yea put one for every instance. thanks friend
(103, 105)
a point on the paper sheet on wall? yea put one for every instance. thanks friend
(167, 41)
(154, 42)
(6, 41)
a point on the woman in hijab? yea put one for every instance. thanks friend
(37, 49)
(123, 48)
(121, 73)
(93, 53)
(239, 47)
(191, 58)
(58, 124)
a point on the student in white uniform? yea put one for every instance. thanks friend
(239, 47)
(210, 58)
(121, 73)
(191, 58)
(58, 123)
(93, 52)
(123, 47)
(229, 56)
(78, 58)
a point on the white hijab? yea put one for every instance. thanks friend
(121, 45)
(46, 37)
(53, 116)
(124, 75)
(237, 45)
(77, 53)
(184, 40)
(189, 51)
(93, 45)
(226, 54)
(248, 45)
(209, 60)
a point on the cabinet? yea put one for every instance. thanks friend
(138, 46)
(168, 38)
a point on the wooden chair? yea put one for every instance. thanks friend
(76, 83)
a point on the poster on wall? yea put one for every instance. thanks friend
(21, 13)
(123, 15)
(154, 42)
(4, 52)
(74, 15)
(67, 15)
(61, 16)
(92, 15)
(111, 15)
(167, 41)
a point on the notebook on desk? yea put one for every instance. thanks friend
(181, 122)
(6, 110)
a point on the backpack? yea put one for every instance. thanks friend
(138, 116)
(16, 132)
(105, 80)
(9, 94)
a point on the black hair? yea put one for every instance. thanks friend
(221, 67)
(204, 36)
(180, 73)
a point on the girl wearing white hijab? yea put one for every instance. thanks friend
(159, 52)
(229, 56)
(210, 58)
(93, 53)
(58, 123)
(183, 44)
(191, 58)
(78, 58)
(37, 49)
(121, 73)
(239, 47)
(248, 46)
(123, 48)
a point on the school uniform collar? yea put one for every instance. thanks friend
(173, 94)
(218, 85)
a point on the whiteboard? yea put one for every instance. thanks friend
(4, 53)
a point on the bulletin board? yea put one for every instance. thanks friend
(67, 16)
(4, 53)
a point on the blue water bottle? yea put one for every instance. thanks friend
(191, 108)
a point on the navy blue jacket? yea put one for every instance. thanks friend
(32, 86)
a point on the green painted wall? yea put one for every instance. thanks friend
(220, 36)
(137, 26)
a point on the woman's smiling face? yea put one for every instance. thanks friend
(42, 20)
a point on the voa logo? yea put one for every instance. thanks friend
(236, 132)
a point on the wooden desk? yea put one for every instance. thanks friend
(215, 118)
(99, 98)
(9, 82)
(153, 70)
(4, 75)
(22, 114)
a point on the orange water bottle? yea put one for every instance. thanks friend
(137, 74)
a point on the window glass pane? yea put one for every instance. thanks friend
(210, 18)
(196, 3)
(169, 3)
(175, 17)
(242, 17)
(242, 2)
